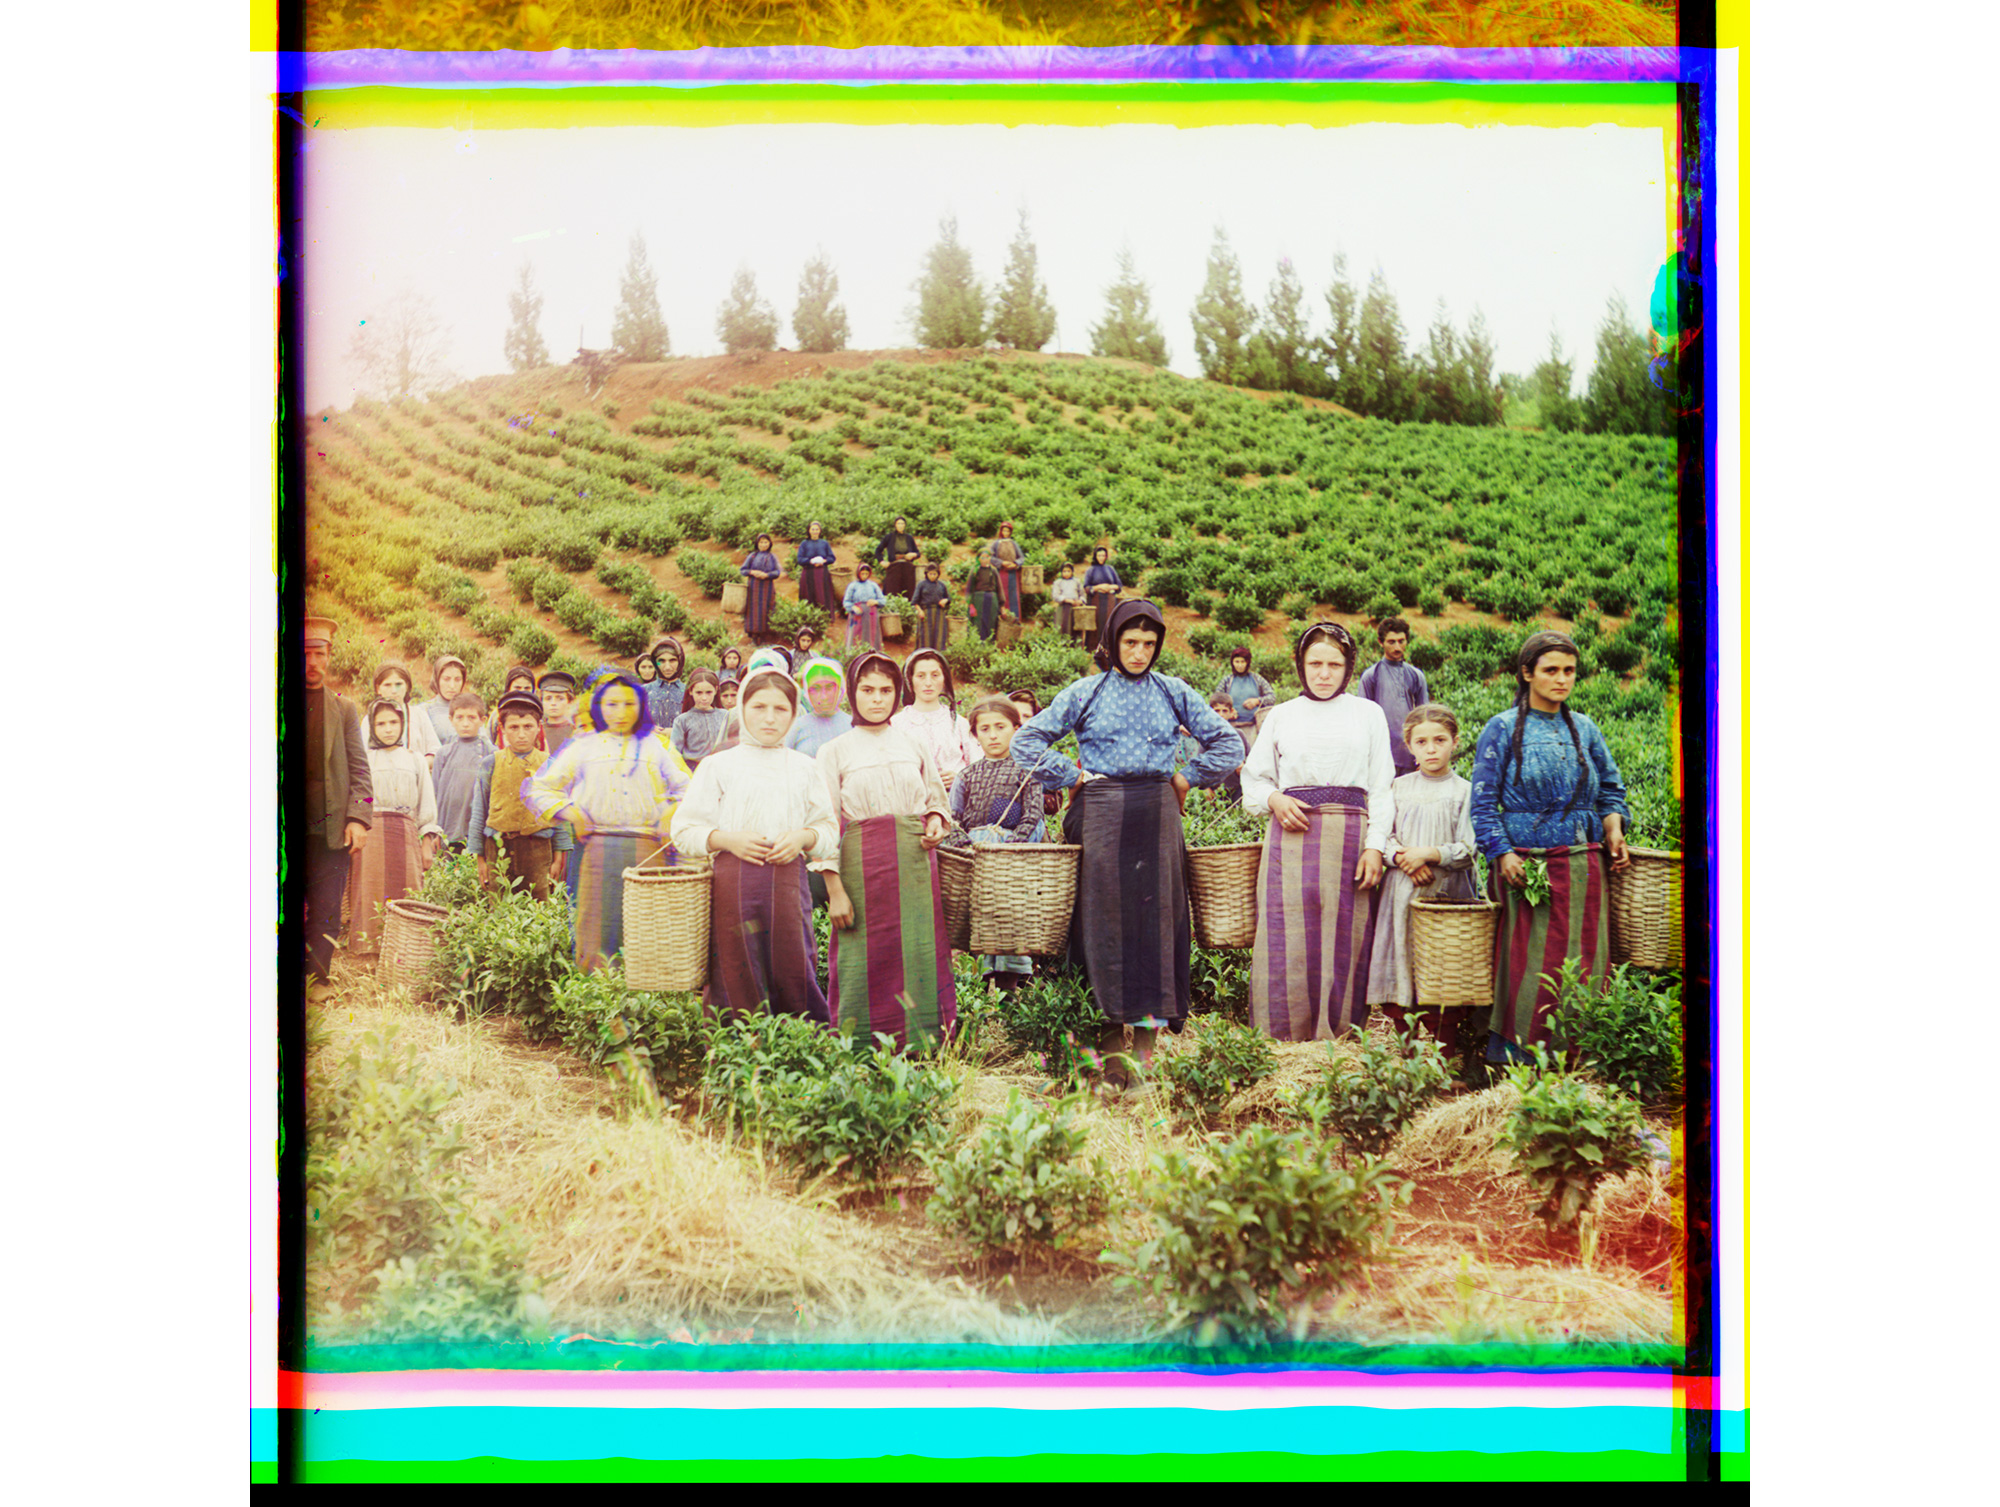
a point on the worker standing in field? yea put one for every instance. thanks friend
(1395, 685)
(339, 793)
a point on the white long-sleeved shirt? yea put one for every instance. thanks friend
(769, 791)
(1344, 741)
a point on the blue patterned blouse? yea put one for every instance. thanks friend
(1529, 814)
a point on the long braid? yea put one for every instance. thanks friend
(1582, 764)
(1520, 727)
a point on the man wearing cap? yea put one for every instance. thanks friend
(512, 842)
(338, 796)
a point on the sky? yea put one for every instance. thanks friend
(1538, 227)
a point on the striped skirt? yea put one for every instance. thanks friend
(388, 868)
(816, 586)
(864, 625)
(761, 954)
(934, 627)
(1010, 590)
(1131, 932)
(1315, 930)
(600, 862)
(891, 970)
(1531, 940)
(758, 595)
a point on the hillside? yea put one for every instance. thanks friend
(528, 518)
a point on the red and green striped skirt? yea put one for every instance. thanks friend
(1532, 940)
(891, 970)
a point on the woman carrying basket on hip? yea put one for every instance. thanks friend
(1131, 927)
(1545, 789)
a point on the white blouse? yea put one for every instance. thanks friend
(769, 791)
(1344, 741)
(402, 786)
(946, 738)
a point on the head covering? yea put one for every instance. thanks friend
(862, 568)
(806, 630)
(403, 717)
(557, 680)
(639, 664)
(437, 670)
(771, 675)
(866, 663)
(770, 657)
(518, 701)
(991, 705)
(387, 668)
(1242, 652)
(910, 684)
(517, 672)
(1132, 613)
(673, 646)
(727, 650)
(604, 683)
(1334, 634)
(815, 524)
(319, 632)
(816, 670)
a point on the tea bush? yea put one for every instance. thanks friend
(507, 957)
(663, 1038)
(1370, 1101)
(1568, 1136)
(1217, 1058)
(1055, 1017)
(1022, 1181)
(385, 1197)
(1246, 1233)
(1624, 1029)
(451, 882)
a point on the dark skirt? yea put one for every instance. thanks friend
(1315, 929)
(1010, 590)
(761, 954)
(987, 606)
(1531, 940)
(816, 586)
(1131, 931)
(900, 580)
(891, 970)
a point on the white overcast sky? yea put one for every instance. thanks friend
(1536, 226)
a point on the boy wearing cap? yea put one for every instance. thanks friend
(500, 828)
(557, 689)
(338, 796)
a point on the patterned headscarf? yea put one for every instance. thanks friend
(866, 663)
(1341, 639)
(770, 657)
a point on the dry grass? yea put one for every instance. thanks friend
(642, 1226)
(1445, 1295)
(1460, 1137)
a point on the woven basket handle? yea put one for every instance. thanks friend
(652, 855)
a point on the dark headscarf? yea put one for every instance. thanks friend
(1129, 614)
(910, 686)
(1242, 652)
(402, 714)
(680, 657)
(862, 664)
(1341, 639)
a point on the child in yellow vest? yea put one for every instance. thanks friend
(507, 836)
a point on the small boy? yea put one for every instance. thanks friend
(557, 689)
(506, 835)
(1231, 788)
(995, 802)
(456, 766)
(697, 730)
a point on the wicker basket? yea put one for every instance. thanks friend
(843, 577)
(1083, 618)
(666, 926)
(1008, 633)
(409, 937)
(955, 885)
(892, 625)
(735, 597)
(1646, 910)
(1451, 951)
(1022, 896)
(1222, 887)
(1031, 578)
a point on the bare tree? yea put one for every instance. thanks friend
(400, 352)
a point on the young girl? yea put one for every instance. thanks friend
(933, 600)
(1544, 786)
(816, 568)
(1131, 928)
(731, 667)
(863, 605)
(1067, 594)
(805, 643)
(618, 788)
(390, 866)
(1321, 768)
(995, 802)
(891, 963)
(392, 684)
(930, 715)
(665, 696)
(447, 685)
(760, 574)
(1430, 858)
(1246, 690)
(697, 730)
(761, 809)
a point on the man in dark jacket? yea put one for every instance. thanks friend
(338, 797)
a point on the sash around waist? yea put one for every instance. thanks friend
(1330, 795)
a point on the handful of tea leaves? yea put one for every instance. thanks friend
(1536, 888)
